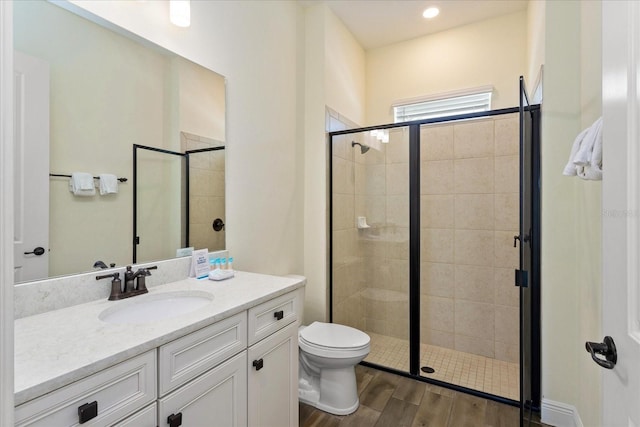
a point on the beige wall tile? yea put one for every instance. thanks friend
(475, 345)
(507, 324)
(344, 246)
(474, 247)
(398, 178)
(507, 136)
(437, 279)
(505, 254)
(216, 183)
(342, 147)
(397, 150)
(343, 176)
(473, 139)
(378, 273)
(372, 248)
(436, 177)
(436, 142)
(371, 157)
(375, 325)
(343, 211)
(398, 275)
(374, 180)
(474, 211)
(437, 211)
(436, 245)
(507, 352)
(398, 210)
(439, 338)
(507, 174)
(473, 176)
(372, 207)
(507, 211)
(506, 293)
(474, 283)
(437, 313)
(474, 319)
(397, 243)
(218, 160)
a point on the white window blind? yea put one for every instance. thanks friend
(442, 107)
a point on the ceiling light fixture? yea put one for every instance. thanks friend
(180, 12)
(431, 12)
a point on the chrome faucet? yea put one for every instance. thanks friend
(131, 288)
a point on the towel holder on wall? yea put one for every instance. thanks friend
(95, 177)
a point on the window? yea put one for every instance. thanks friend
(470, 101)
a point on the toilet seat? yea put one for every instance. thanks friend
(333, 340)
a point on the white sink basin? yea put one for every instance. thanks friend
(153, 307)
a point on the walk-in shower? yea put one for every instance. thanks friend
(431, 276)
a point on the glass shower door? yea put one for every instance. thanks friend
(370, 240)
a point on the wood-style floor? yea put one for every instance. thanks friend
(395, 401)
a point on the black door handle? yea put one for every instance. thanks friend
(607, 348)
(37, 251)
(278, 314)
(175, 420)
(258, 364)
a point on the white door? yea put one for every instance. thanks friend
(621, 209)
(31, 162)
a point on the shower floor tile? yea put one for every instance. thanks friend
(455, 367)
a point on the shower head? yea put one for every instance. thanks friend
(363, 148)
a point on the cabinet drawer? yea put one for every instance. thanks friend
(272, 315)
(216, 398)
(119, 391)
(189, 356)
(145, 418)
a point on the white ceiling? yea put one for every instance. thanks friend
(377, 23)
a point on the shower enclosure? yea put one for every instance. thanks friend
(426, 234)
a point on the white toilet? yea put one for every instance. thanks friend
(328, 354)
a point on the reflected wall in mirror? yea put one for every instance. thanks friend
(109, 91)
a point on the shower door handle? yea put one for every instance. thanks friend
(607, 348)
(525, 239)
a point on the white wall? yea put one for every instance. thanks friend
(491, 52)
(254, 44)
(334, 77)
(571, 211)
(535, 41)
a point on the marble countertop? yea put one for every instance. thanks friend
(56, 348)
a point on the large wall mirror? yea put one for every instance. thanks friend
(105, 92)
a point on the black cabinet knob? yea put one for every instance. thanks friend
(258, 364)
(87, 412)
(278, 314)
(175, 420)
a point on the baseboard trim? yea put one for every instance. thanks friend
(559, 414)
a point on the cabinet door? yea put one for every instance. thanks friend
(215, 398)
(144, 418)
(273, 380)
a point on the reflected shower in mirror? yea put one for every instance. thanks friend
(109, 90)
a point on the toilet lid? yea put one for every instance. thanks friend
(334, 335)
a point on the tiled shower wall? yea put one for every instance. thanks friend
(469, 215)
(206, 191)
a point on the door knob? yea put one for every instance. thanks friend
(607, 348)
(37, 251)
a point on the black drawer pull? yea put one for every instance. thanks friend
(278, 314)
(175, 420)
(258, 364)
(87, 412)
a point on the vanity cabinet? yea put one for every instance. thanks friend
(101, 399)
(239, 371)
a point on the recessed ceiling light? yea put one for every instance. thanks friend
(431, 12)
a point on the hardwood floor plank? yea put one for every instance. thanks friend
(434, 411)
(410, 390)
(500, 415)
(322, 419)
(397, 413)
(304, 412)
(468, 411)
(440, 390)
(377, 393)
(363, 417)
(364, 375)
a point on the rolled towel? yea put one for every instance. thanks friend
(570, 168)
(593, 171)
(583, 157)
(81, 184)
(108, 184)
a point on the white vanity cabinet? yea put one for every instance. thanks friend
(240, 371)
(101, 399)
(273, 362)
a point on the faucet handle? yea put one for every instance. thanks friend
(116, 285)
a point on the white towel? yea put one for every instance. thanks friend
(585, 159)
(593, 171)
(81, 184)
(108, 183)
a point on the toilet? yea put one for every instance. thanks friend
(328, 355)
